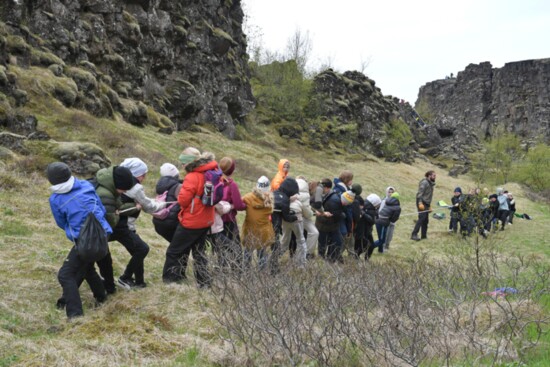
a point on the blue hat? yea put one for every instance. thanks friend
(458, 189)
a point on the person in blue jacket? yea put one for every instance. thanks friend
(71, 202)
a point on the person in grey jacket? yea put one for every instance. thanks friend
(423, 203)
(503, 208)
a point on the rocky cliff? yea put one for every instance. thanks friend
(163, 62)
(482, 99)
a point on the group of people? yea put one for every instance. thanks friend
(201, 208)
(480, 211)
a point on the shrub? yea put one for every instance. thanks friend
(398, 137)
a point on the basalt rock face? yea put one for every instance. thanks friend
(182, 61)
(352, 99)
(482, 99)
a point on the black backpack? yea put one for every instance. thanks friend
(92, 241)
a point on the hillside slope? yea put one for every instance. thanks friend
(172, 324)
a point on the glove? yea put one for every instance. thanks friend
(421, 207)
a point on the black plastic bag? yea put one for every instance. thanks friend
(92, 242)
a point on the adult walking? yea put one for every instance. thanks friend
(423, 203)
(195, 220)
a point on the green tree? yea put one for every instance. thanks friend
(535, 171)
(502, 152)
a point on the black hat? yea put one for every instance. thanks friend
(326, 182)
(58, 172)
(357, 189)
(123, 178)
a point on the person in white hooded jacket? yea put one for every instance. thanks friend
(296, 227)
(308, 216)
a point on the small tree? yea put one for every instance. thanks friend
(502, 152)
(298, 48)
(536, 169)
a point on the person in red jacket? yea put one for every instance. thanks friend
(195, 220)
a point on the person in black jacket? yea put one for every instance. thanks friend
(369, 214)
(456, 217)
(511, 207)
(282, 196)
(389, 214)
(328, 223)
(170, 183)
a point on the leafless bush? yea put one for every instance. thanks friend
(389, 314)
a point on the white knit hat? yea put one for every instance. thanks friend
(168, 169)
(374, 199)
(136, 166)
(263, 184)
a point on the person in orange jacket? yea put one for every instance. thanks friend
(195, 220)
(284, 167)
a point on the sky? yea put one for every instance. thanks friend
(406, 44)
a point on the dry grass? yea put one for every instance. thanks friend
(171, 325)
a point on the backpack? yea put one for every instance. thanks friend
(213, 187)
(164, 212)
(92, 241)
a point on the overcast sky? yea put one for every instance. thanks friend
(408, 43)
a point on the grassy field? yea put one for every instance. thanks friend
(171, 325)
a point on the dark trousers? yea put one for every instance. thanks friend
(422, 225)
(511, 216)
(70, 276)
(330, 245)
(137, 248)
(455, 219)
(105, 266)
(382, 232)
(503, 217)
(185, 241)
(166, 229)
(228, 251)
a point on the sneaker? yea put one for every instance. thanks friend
(109, 288)
(140, 285)
(415, 237)
(127, 284)
(450, 231)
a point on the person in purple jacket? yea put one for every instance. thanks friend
(71, 202)
(232, 195)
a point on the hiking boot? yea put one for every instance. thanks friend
(61, 303)
(414, 237)
(126, 284)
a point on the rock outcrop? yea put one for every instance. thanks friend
(482, 99)
(359, 110)
(153, 61)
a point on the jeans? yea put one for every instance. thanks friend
(330, 245)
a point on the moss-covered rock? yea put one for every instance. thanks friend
(17, 44)
(83, 158)
(44, 58)
(85, 80)
(134, 112)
